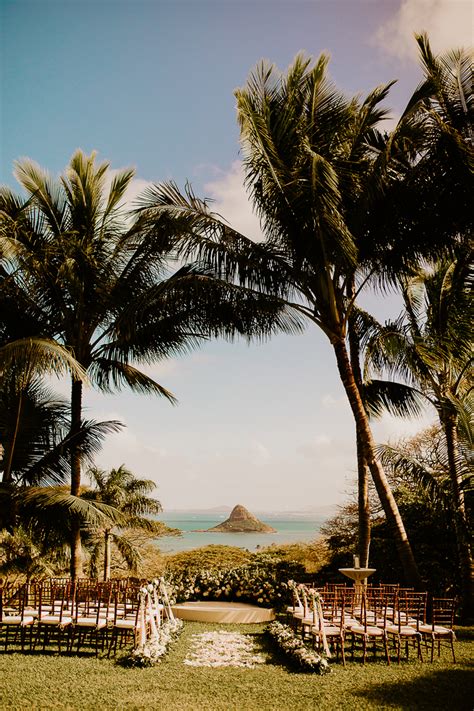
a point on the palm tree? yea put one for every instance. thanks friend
(378, 396)
(430, 347)
(105, 289)
(36, 434)
(307, 151)
(122, 490)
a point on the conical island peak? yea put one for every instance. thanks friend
(241, 521)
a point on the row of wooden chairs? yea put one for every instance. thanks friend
(372, 617)
(86, 612)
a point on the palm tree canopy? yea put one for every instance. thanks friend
(430, 345)
(122, 490)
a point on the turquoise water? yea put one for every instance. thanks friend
(291, 528)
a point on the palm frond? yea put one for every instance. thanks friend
(401, 400)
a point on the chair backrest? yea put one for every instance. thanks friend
(410, 609)
(443, 611)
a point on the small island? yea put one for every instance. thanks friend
(241, 521)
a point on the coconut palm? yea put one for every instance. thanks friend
(104, 289)
(307, 152)
(430, 348)
(122, 490)
(38, 442)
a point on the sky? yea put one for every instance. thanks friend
(149, 84)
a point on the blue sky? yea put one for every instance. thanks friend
(150, 84)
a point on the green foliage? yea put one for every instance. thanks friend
(427, 513)
(295, 650)
(261, 581)
(313, 556)
(213, 557)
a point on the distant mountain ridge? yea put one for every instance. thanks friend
(326, 510)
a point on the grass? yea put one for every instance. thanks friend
(42, 681)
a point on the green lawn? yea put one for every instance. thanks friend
(42, 681)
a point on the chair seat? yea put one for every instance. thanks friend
(329, 631)
(404, 630)
(55, 620)
(17, 620)
(348, 624)
(427, 629)
(126, 625)
(370, 631)
(91, 622)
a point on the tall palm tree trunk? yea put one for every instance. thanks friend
(384, 492)
(449, 424)
(10, 448)
(107, 554)
(76, 416)
(363, 502)
(362, 469)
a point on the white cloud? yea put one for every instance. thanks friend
(391, 429)
(232, 203)
(449, 24)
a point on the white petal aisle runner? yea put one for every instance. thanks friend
(224, 649)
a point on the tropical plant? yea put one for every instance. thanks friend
(430, 348)
(106, 290)
(120, 489)
(23, 557)
(35, 430)
(307, 153)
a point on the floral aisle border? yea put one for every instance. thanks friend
(154, 636)
(294, 648)
(224, 649)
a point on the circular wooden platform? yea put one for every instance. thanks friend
(226, 612)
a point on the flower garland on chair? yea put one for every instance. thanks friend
(154, 636)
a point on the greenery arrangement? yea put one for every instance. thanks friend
(262, 582)
(295, 650)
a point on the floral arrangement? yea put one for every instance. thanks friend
(262, 583)
(155, 638)
(155, 648)
(294, 648)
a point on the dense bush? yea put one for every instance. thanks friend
(213, 557)
(429, 529)
(312, 556)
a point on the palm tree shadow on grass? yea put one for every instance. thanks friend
(436, 689)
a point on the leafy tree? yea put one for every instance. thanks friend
(430, 347)
(417, 470)
(120, 489)
(105, 289)
(307, 152)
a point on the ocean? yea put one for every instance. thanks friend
(290, 527)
